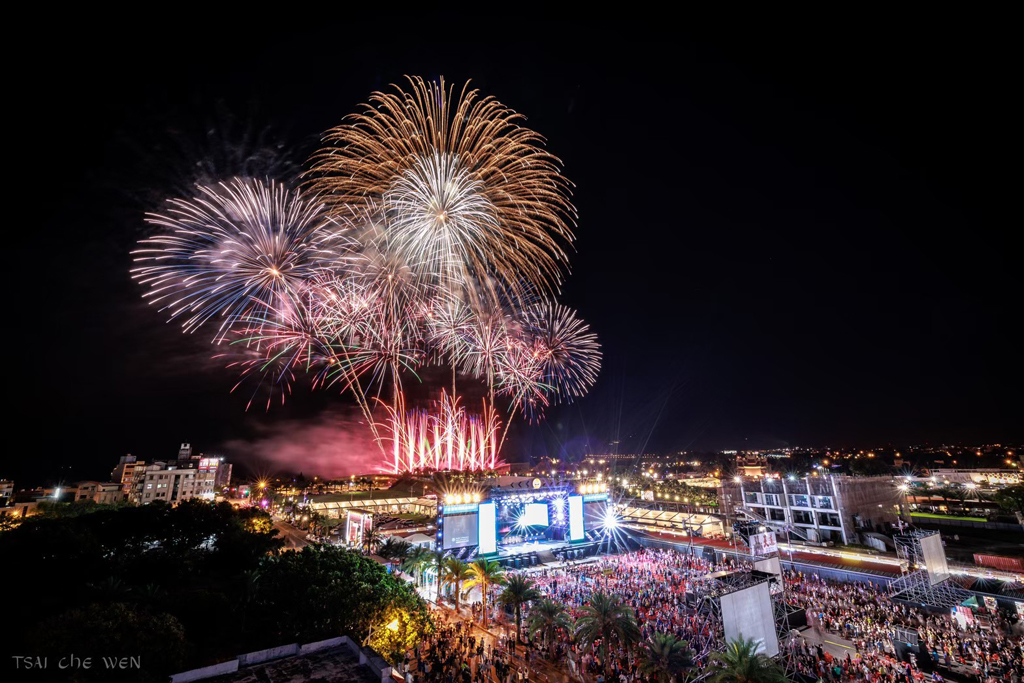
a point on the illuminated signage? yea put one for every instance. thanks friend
(465, 507)
(488, 529)
(591, 497)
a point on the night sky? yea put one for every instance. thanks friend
(784, 239)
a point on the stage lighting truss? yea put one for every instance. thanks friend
(558, 504)
(461, 498)
(916, 586)
(707, 606)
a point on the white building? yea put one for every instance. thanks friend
(175, 481)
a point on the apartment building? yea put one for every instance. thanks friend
(175, 481)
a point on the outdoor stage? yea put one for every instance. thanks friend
(525, 521)
(538, 547)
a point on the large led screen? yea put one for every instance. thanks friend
(460, 531)
(488, 529)
(535, 514)
(594, 513)
(575, 518)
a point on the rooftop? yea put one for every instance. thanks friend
(363, 495)
(337, 664)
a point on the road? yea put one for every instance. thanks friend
(294, 538)
(844, 559)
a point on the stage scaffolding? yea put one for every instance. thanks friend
(706, 601)
(922, 584)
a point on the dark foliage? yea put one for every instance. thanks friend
(187, 586)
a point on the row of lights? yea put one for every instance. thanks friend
(459, 498)
(593, 488)
(667, 496)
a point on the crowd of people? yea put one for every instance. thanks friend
(457, 653)
(654, 585)
(984, 650)
(653, 582)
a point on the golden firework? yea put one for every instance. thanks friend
(472, 202)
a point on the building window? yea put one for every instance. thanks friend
(802, 517)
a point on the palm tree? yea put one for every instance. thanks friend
(314, 523)
(453, 573)
(416, 561)
(606, 617)
(740, 662)
(664, 657)
(371, 539)
(519, 590)
(110, 588)
(394, 549)
(151, 593)
(546, 618)
(437, 562)
(960, 493)
(484, 573)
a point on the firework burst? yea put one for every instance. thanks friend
(472, 200)
(233, 247)
(435, 234)
(567, 353)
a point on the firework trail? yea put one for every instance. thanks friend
(445, 438)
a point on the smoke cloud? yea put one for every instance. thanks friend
(335, 443)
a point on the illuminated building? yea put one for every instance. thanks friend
(124, 472)
(337, 505)
(176, 480)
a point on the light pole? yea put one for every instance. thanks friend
(392, 626)
(904, 512)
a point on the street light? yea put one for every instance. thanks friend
(392, 626)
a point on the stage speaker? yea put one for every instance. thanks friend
(796, 617)
(906, 636)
